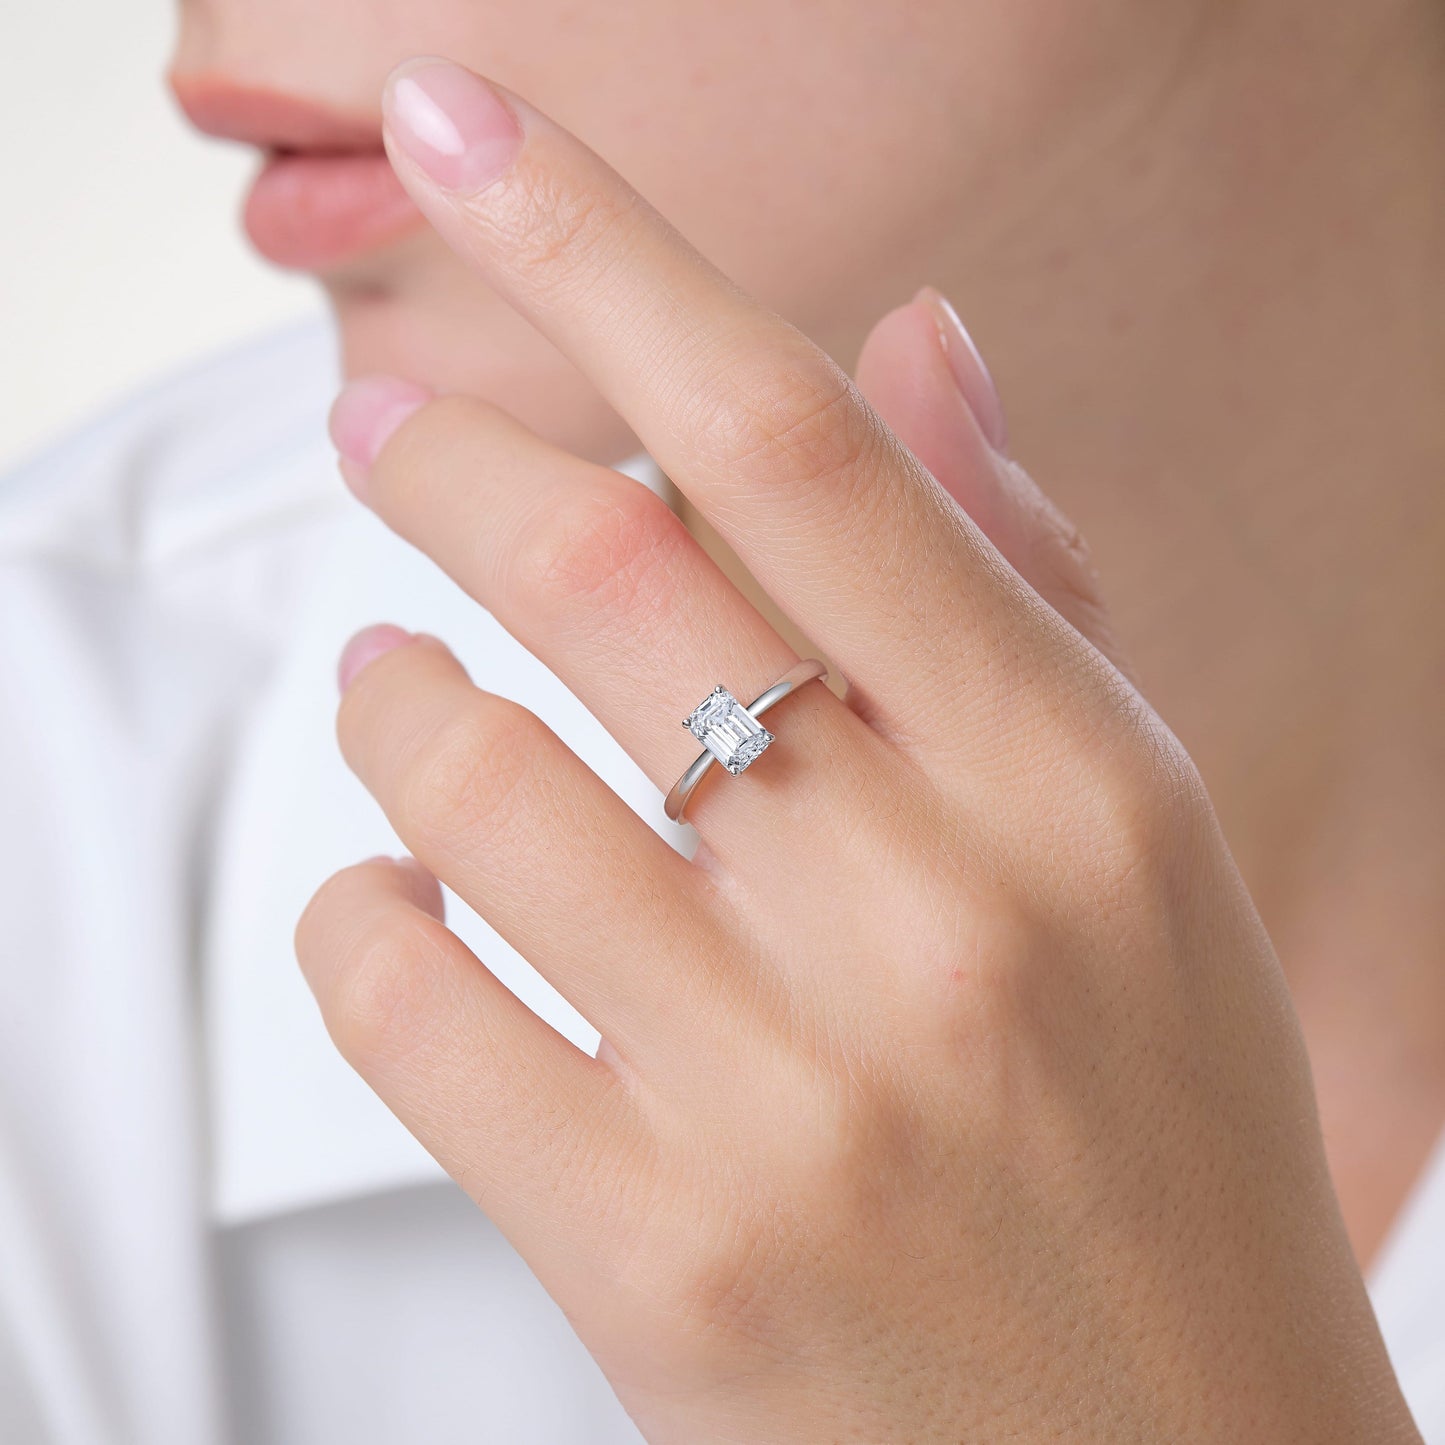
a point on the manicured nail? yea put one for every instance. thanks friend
(366, 646)
(365, 413)
(451, 123)
(970, 374)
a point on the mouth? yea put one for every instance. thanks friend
(325, 192)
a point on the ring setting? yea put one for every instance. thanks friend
(731, 733)
(727, 729)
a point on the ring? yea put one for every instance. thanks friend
(731, 733)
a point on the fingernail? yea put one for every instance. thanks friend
(970, 374)
(363, 415)
(451, 123)
(366, 646)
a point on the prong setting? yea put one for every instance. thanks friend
(727, 730)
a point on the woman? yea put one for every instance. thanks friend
(950, 1086)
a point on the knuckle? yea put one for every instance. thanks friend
(711, 1287)
(1153, 792)
(1149, 811)
(471, 773)
(559, 235)
(816, 1186)
(719, 1284)
(432, 440)
(975, 989)
(1075, 578)
(313, 932)
(379, 1005)
(1057, 529)
(857, 1126)
(786, 417)
(614, 548)
(1074, 546)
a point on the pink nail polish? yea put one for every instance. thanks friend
(366, 646)
(364, 415)
(451, 123)
(970, 374)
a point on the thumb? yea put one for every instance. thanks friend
(921, 373)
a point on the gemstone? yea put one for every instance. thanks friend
(727, 729)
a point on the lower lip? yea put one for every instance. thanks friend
(311, 211)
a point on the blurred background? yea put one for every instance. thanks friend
(120, 249)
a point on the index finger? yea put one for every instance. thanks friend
(838, 522)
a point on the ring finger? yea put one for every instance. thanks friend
(599, 578)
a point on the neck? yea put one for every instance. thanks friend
(1222, 351)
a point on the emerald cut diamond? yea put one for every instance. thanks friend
(727, 729)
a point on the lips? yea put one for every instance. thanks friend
(325, 193)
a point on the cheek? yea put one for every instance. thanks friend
(830, 169)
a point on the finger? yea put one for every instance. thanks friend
(502, 811)
(597, 576)
(769, 438)
(920, 371)
(503, 1101)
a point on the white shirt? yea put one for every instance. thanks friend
(210, 1229)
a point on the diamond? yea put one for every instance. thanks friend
(727, 729)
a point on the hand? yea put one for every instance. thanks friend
(951, 1091)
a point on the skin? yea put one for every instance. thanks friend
(1216, 289)
(865, 225)
(983, 1117)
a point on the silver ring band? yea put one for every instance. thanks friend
(727, 736)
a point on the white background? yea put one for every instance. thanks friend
(120, 249)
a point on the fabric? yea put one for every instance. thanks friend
(1407, 1285)
(398, 1317)
(210, 1229)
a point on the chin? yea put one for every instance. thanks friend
(474, 343)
